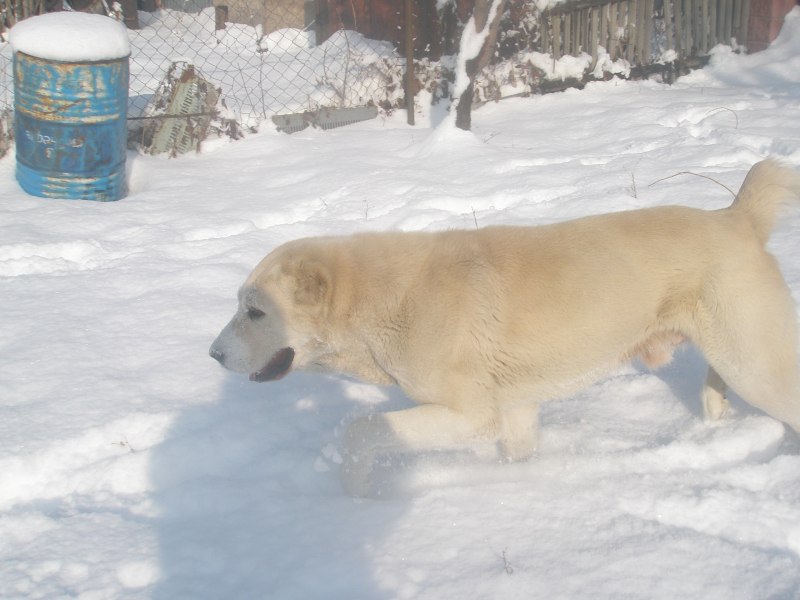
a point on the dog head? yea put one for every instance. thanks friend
(279, 322)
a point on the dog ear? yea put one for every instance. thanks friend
(312, 283)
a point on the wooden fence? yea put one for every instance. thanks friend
(641, 30)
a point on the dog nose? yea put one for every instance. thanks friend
(217, 355)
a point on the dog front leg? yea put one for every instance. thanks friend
(426, 427)
(715, 405)
(519, 431)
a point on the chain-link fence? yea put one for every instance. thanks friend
(275, 66)
(264, 56)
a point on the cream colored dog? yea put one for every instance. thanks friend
(480, 326)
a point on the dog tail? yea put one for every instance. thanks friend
(768, 187)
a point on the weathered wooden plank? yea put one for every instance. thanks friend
(586, 41)
(715, 16)
(668, 27)
(735, 10)
(688, 27)
(727, 30)
(641, 11)
(702, 24)
(557, 37)
(576, 33)
(634, 19)
(677, 11)
(697, 19)
(567, 33)
(744, 22)
(646, 20)
(546, 38)
(628, 28)
(613, 28)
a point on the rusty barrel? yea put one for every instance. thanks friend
(70, 127)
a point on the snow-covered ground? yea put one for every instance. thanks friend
(133, 466)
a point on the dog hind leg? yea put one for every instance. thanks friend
(749, 336)
(715, 404)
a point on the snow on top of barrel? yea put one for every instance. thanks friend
(71, 37)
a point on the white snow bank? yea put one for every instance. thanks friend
(133, 467)
(288, 41)
(773, 68)
(70, 37)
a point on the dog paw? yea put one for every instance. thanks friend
(715, 405)
(518, 449)
(355, 475)
(358, 456)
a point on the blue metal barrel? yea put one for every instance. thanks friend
(70, 127)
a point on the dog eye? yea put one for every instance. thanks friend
(254, 313)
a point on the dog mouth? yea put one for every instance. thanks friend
(278, 366)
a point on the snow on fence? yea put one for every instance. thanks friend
(271, 58)
(644, 31)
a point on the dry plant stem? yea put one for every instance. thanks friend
(732, 193)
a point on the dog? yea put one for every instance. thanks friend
(480, 326)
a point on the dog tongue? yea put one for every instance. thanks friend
(277, 367)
